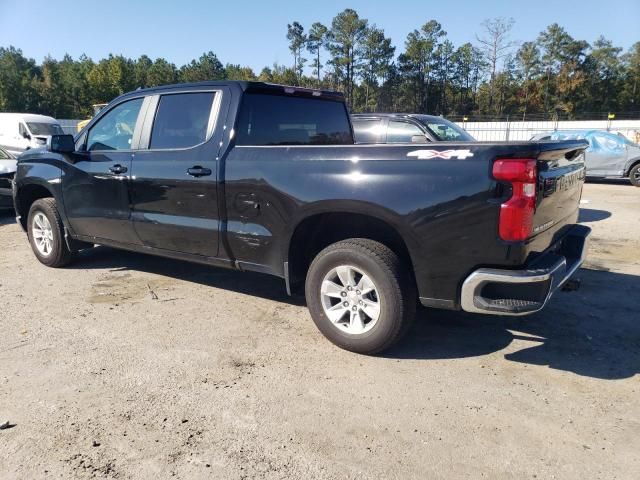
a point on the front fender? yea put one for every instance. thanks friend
(36, 178)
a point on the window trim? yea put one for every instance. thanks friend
(408, 122)
(137, 126)
(152, 111)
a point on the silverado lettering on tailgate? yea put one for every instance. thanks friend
(564, 183)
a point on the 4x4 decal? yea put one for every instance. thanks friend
(446, 154)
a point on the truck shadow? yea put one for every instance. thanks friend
(592, 332)
(249, 283)
(588, 215)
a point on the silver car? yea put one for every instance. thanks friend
(608, 155)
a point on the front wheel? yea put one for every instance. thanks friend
(360, 296)
(634, 175)
(46, 233)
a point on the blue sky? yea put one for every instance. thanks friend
(253, 33)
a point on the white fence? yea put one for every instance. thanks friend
(507, 130)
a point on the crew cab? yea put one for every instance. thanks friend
(267, 178)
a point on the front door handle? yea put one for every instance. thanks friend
(117, 169)
(199, 171)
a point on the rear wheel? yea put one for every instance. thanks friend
(360, 296)
(46, 233)
(634, 175)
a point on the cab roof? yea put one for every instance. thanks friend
(245, 86)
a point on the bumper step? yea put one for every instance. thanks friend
(521, 292)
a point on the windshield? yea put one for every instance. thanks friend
(45, 128)
(4, 155)
(444, 130)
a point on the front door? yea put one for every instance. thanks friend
(95, 187)
(174, 180)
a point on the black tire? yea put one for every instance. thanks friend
(59, 254)
(634, 175)
(392, 280)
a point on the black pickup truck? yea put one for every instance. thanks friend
(267, 178)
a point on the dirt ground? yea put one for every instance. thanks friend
(129, 366)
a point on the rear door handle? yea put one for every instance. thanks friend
(199, 171)
(117, 169)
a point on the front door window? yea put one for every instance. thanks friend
(114, 131)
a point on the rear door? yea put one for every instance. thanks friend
(95, 186)
(174, 177)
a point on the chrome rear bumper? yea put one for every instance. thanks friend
(521, 292)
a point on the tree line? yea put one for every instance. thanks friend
(553, 75)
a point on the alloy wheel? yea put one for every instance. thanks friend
(350, 299)
(42, 234)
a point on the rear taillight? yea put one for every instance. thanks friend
(516, 214)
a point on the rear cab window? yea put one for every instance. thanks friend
(273, 119)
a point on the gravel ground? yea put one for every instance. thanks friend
(129, 366)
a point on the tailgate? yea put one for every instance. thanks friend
(561, 174)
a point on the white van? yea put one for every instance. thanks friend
(22, 131)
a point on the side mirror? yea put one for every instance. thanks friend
(418, 139)
(62, 144)
(25, 134)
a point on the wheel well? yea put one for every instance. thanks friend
(26, 196)
(633, 164)
(319, 231)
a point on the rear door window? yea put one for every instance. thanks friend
(282, 120)
(402, 132)
(182, 120)
(369, 130)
